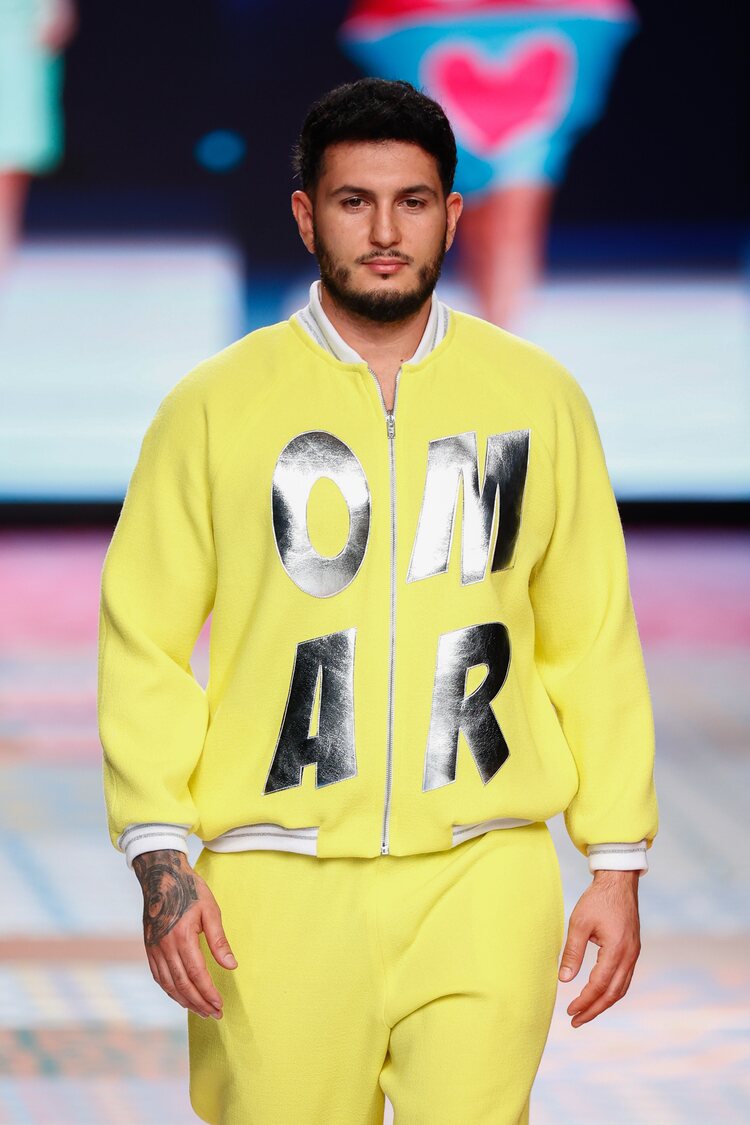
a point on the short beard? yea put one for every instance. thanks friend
(383, 306)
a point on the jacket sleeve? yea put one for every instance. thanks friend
(587, 646)
(158, 583)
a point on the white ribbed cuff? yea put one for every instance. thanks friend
(618, 857)
(150, 837)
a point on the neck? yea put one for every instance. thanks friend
(377, 340)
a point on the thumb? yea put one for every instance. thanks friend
(216, 938)
(572, 955)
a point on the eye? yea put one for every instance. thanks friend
(419, 203)
(354, 199)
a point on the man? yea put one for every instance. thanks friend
(423, 646)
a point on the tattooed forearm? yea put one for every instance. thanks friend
(168, 890)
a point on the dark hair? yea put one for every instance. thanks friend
(374, 109)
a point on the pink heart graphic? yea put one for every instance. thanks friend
(489, 101)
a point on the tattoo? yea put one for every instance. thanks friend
(168, 891)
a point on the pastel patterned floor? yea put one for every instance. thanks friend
(87, 1038)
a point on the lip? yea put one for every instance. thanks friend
(384, 266)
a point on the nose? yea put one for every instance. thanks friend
(384, 231)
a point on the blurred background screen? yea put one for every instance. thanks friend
(166, 232)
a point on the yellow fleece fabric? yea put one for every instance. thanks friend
(413, 627)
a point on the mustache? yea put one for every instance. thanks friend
(384, 257)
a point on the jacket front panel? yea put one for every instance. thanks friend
(464, 433)
(419, 622)
(327, 691)
(299, 646)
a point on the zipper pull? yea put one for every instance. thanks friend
(391, 424)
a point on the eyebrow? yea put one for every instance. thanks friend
(413, 190)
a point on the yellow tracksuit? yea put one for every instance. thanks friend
(430, 609)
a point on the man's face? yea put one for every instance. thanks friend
(379, 226)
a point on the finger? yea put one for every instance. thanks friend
(607, 962)
(614, 992)
(163, 978)
(195, 967)
(575, 947)
(613, 967)
(185, 986)
(609, 980)
(216, 938)
(156, 971)
(630, 977)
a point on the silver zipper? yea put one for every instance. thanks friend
(390, 419)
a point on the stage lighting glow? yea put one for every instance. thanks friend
(221, 150)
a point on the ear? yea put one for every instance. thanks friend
(302, 209)
(454, 205)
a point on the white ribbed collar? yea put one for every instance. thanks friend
(313, 318)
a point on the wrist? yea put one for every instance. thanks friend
(160, 860)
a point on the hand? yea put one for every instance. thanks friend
(177, 906)
(607, 915)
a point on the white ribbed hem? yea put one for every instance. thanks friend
(463, 832)
(155, 835)
(250, 837)
(618, 857)
(152, 836)
(305, 840)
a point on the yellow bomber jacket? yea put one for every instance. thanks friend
(421, 621)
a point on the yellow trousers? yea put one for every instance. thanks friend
(430, 978)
